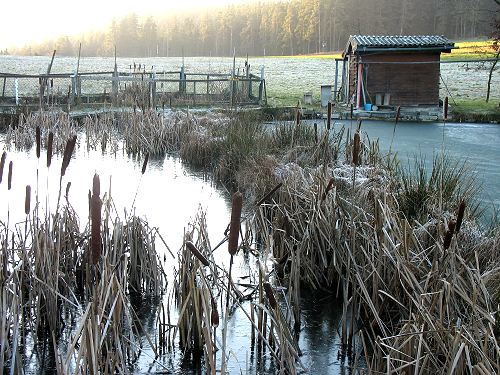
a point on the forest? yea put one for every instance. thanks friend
(275, 28)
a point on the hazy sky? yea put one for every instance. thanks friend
(34, 20)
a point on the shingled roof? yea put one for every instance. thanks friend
(376, 43)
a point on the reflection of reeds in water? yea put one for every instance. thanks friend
(46, 277)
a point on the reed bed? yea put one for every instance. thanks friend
(417, 277)
(420, 296)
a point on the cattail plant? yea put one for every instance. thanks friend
(38, 141)
(68, 152)
(27, 200)
(9, 180)
(49, 148)
(95, 215)
(145, 163)
(356, 149)
(460, 215)
(328, 188)
(2, 165)
(269, 194)
(449, 234)
(270, 295)
(398, 114)
(234, 227)
(197, 253)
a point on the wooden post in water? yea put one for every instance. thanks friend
(335, 94)
(43, 82)
(114, 84)
(194, 92)
(233, 78)
(345, 93)
(3, 89)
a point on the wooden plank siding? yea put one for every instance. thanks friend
(408, 84)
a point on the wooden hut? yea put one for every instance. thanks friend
(393, 70)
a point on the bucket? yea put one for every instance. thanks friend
(368, 107)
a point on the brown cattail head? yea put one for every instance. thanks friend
(145, 163)
(328, 188)
(398, 113)
(49, 149)
(329, 115)
(449, 234)
(68, 151)
(214, 316)
(234, 225)
(95, 231)
(315, 133)
(2, 165)
(269, 195)
(38, 141)
(356, 148)
(352, 110)
(68, 185)
(270, 295)
(460, 216)
(27, 200)
(445, 108)
(197, 253)
(96, 185)
(9, 179)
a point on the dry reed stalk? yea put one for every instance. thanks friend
(50, 143)
(398, 114)
(234, 226)
(197, 253)
(27, 200)
(460, 215)
(2, 165)
(9, 177)
(38, 141)
(297, 117)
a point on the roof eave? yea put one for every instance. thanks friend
(403, 49)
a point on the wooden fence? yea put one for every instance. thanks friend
(142, 89)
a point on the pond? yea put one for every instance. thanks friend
(169, 195)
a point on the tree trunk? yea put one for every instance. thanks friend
(489, 77)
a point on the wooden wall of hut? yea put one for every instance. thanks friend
(410, 78)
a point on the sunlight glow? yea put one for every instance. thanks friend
(35, 20)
